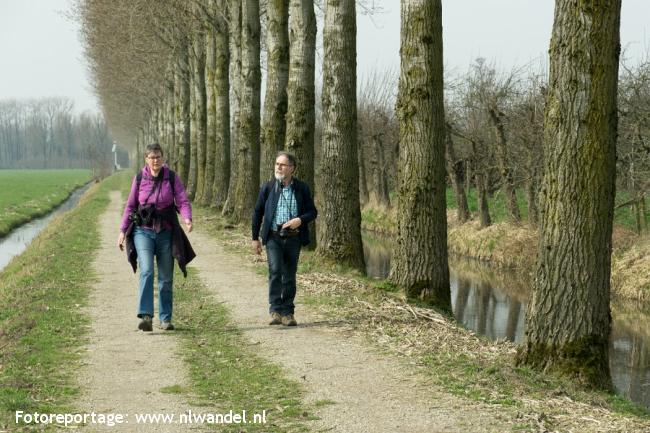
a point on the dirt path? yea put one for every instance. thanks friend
(126, 368)
(371, 393)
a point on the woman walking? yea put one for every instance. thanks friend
(150, 228)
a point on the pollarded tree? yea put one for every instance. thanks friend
(339, 234)
(419, 263)
(569, 315)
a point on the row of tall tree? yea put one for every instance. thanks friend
(45, 133)
(188, 74)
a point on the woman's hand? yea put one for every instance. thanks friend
(188, 225)
(120, 241)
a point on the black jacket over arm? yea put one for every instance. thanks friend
(267, 202)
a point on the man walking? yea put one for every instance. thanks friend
(283, 211)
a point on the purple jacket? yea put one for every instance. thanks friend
(162, 197)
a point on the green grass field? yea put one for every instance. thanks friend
(29, 194)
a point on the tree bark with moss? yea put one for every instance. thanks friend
(419, 264)
(222, 105)
(275, 101)
(245, 182)
(339, 235)
(301, 90)
(200, 98)
(569, 315)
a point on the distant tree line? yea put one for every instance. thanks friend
(45, 133)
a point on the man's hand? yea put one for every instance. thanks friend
(292, 224)
(188, 225)
(120, 241)
(257, 247)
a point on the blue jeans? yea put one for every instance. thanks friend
(148, 244)
(283, 257)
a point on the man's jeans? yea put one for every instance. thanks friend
(283, 257)
(148, 244)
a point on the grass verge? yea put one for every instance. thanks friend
(225, 370)
(42, 328)
(29, 194)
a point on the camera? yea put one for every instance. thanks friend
(143, 216)
(285, 233)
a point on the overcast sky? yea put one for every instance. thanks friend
(42, 56)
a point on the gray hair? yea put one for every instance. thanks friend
(289, 156)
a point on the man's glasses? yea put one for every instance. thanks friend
(281, 165)
(154, 158)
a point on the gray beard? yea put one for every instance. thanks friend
(279, 177)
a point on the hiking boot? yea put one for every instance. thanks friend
(167, 326)
(145, 323)
(289, 320)
(276, 319)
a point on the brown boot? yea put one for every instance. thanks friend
(276, 319)
(289, 320)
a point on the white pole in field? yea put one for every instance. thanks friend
(114, 155)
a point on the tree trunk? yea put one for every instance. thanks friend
(383, 194)
(247, 152)
(275, 101)
(190, 187)
(363, 183)
(569, 316)
(379, 190)
(222, 101)
(531, 197)
(504, 168)
(200, 97)
(211, 104)
(301, 89)
(301, 93)
(454, 169)
(234, 47)
(419, 263)
(171, 121)
(482, 192)
(339, 236)
(185, 96)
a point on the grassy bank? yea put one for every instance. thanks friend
(442, 353)
(226, 372)
(42, 293)
(508, 245)
(29, 194)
